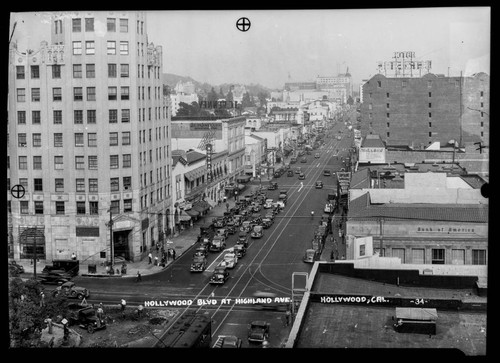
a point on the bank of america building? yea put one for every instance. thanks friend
(89, 140)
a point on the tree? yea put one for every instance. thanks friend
(221, 94)
(212, 96)
(229, 96)
(247, 100)
(350, 101)
(262, 96)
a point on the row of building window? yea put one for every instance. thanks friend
(438, 256)
(81, 207)
(79, 162)
(76, 25)
(404, 84)
(77, 94)
(80, 184)
(79, 139)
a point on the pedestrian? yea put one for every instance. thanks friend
(288, 316)
(42, 299)
(156, 260)
(49, 324)
(225, 198)
(73, 256)
(227, 207)
(123, 304)
(139, 310)
(150, 258)
(332, 255)
(173, 254)
(100, 312)
(139, 277)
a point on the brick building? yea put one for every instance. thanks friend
(417, 112)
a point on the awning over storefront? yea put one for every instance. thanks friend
(201, 206)
(192, 212)
(195, 174)
(241, 186)
(243, 178)
(184, 218)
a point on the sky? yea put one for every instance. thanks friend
(298, 45)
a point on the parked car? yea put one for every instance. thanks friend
(71, 267)
(222, 232)
(199, 263)
(242, 239)
(302, 176)
(202, 249)
(55, 277)
(267, 222)
(257, 232)
(220, 276)
(268, 204)
(15, 269)
(327, 172)
(293, 160)
(218, 244)
(298, 170)
(231, 341)
(258, 331)
(319, 184)
(219, 222)
(230, 259)
(87, 319)
(303, 160)
(316, 156)
(269, 215)
(256, 208)
(272, 186)
(70, 290)
(240, 250)
(289, 173)
(245, 226)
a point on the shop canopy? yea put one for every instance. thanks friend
(201, 206)
(184, 218)
(243, 178)
(192, 212)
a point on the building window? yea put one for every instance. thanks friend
(90, 70)
(94, 208)
(80, 185)
(479, 257)
(58, 140)
(111, 47)
(482, 104)
(437, 256)
(430, 114)
(403, 84)
(430, 124)
(23, 163)
(370, 106)
(113, 162)
(430, 105)
(91, 116)
(78, 93)
(37, 140)
(38, 184)
(92, 139)
(77, 48)
(124, 48)
(38, 207)
(481, 93)
(113, 138)
(56, 94)
(37, 163)
(56, 71)
(115, 184)
(379, 84)
(126, 138)
(112, 92)
(125, 115)
(89, 24)
(35, 72)
(77, 71)
(21, 117)
(36, 117)
(93, 186)
(430, 94)
(387, 95)
(388, 115)
(482, 123)
(115, 206)
(20, 74)
(127, 182)
(24, 207)
(457, 83)
(21, 95)
(123, 25)
(482, 134)
(457, 257)
(35, 95)
(127, 205)
(79, 139)
(482, 114)
(79, 162)
(388, 124)
(430, 134)
(387, 105)
(111, 70)
(125, 93)
(59, 183)
(57, 114)
(91, 94)
(92, 162)
(58, 163)
(388, 134)
(77, 25)
(21, 140)
(127, 160)
(60, 208)
(89, 47)
(429, 84)
(80, 207)
(113, 116)
(78, 116)
(124, 70)
(111, 24)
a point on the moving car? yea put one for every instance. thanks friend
(316, 156)
(289, 173)
(240, 250)
(243, 239)
(270, 215)
(86, 318)
(230, 259)
(297, 170)
(56, 277)
(231, 227)
(199, 263)
(327, 172)
(219, 222)
(70, 290)
(266, 223)
(231, 341)
(257, 232)
(218, 244)
(71, 267)
(272, 186)
(245, 226)
(222, 232)
(219, 276)
(258, 331)
(303, 160)
(302, 176)
(319, 184)
(268, 204)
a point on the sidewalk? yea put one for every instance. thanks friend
(180, 243)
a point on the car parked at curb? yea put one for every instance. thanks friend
(70, 290)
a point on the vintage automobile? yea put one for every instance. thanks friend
(289, 173)
(243, 239)
(222, 232)
(283, 197)
(199, 263)
(316, 156)
(70, 290)
(302, 153)
(303, 160)
(269, 215)
(287, 166)
(219, 276)
(293, 160)
(238, 220)
(268, 204)
(219, 222)
(258, 331)
(87, 319)
(256, 208)
(255, 219)
(231, 227)
(327, 172)
(202, 249)
(15, 269)
(245, 226)
(217, 244)
(266, 223)
(302, 176)
(240, 250)
(55, 277)
(272, 186)
(298, 170)
(231, 341)
(70, 267)
(257, 232)
(319, 184)
(230, 259)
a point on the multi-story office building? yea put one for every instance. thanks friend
(89, 141)
(418, 112)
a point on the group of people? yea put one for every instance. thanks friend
(165, 255)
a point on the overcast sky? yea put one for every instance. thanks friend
(298, 45)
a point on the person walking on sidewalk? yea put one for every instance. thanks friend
(173, 254)
(139, 277)
(123, 305)
(156, 260)
(150, 258)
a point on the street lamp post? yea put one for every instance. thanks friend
(110, 225)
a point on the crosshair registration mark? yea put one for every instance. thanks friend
(17, 191)
(243, 24)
